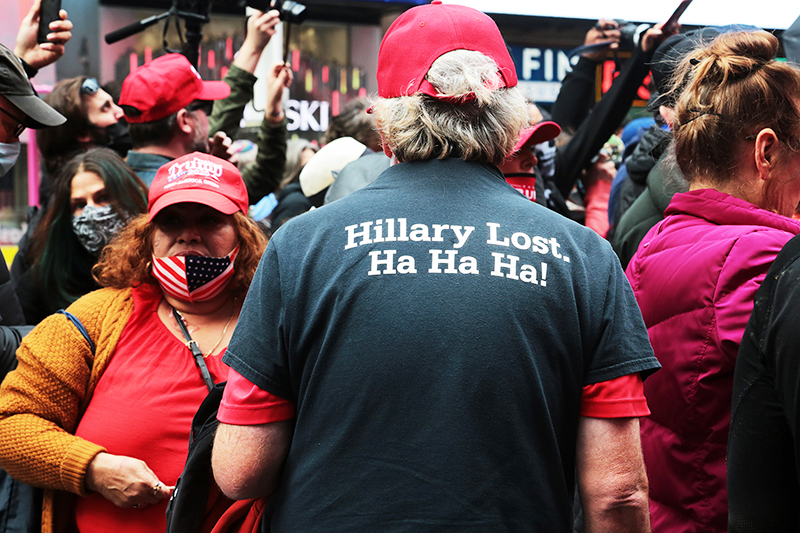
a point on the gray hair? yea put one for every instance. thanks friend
(420, 127)
(295, 149)
(354, 121)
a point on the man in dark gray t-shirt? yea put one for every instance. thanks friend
(435, 351)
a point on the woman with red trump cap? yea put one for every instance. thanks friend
(101, 419)
(459, 358)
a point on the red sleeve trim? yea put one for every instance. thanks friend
(596, 202)
(621, 397)
(245, 404)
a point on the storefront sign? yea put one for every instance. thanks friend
(304, 115)
(540, 71)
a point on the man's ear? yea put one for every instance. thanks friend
(185, 122)
(385, 146)
(766, 147)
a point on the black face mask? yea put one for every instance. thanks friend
(115, 136)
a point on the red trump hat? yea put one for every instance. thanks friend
(198, 178)
(423, 33)
(539, 133)
(164, 86)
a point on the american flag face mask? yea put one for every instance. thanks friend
(194, 278)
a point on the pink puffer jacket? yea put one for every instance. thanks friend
(695, 275)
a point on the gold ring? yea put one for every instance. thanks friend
(156, 488)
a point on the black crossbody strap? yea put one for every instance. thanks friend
(198, 355)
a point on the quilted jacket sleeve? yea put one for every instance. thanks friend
(742, 274)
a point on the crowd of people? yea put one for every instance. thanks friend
(461, 312)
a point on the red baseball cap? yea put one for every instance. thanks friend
(164, 86)
(539, 133)
(423, 33)
(198, 178)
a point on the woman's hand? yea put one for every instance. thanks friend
(260, 29)
(124, 481)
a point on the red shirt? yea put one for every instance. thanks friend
(143, 407)
(244, 404)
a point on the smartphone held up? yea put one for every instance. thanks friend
(47, 13)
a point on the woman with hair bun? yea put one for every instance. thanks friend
(737, 131)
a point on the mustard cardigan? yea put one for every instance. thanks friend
(42, 401)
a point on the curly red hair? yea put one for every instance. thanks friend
(125, 262)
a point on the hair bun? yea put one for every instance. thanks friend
(757, 45)
(737, 55)
(731, 88)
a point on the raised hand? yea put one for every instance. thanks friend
(40, 55)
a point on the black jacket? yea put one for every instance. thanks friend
(663, 181)
(11, 323)
(291, 202)
(601, 123)
(638, 165)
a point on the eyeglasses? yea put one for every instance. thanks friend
(89, 86)
(20, 126)
(204, 105)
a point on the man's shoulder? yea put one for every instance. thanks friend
(491, 218)
(356, 175)
(451, 188)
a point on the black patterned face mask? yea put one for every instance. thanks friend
(96, 226)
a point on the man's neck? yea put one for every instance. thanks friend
(172, 150)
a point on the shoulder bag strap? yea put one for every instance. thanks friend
(198, 355)
(78, 324)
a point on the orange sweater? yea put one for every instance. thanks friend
(42, 400)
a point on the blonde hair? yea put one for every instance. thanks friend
(420, 127)
(733, 89)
